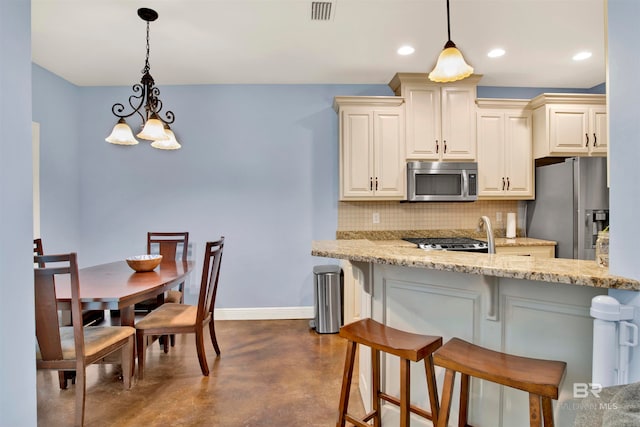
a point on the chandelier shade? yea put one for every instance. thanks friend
(121, 134)
(167, 144)
(153, 129)
(451, 65)
(144, 102)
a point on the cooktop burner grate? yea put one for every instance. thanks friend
(449, 243)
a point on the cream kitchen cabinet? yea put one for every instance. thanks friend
(505, 153)
(372, 157)
(440, 118)
(569, 125)
(535, 251)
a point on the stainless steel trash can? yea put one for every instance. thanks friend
(327, 299)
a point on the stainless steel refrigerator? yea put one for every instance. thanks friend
(571, 205)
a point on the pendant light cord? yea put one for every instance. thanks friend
(448, 24)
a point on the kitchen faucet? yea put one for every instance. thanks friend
(484, 221)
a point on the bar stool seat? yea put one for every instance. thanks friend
(408, 347)
(540, 378)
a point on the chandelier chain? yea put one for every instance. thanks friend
(147, 67)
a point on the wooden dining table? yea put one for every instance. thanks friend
(115, 286)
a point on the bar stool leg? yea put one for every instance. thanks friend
(547, 411)
(346, 383)
(433, 389)
(464, 400)
(447, 394)
(375, 386)
(534, 410)
(405, 390)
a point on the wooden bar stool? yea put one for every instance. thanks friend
(408, 347)
(540, 378)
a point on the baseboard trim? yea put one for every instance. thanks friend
(263, 313)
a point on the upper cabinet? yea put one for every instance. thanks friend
(440, 117)
(569, 125)
(505, 157)
(372, 157)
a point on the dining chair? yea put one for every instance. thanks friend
(173, 318)
(63, 376)
(72, 348)
(171, 245)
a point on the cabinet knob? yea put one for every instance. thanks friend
(587, 136)
(595, 140)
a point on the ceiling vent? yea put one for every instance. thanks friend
(321, 10)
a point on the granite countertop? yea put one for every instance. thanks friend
(397, 235)
(399, 252)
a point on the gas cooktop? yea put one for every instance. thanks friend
(449, 244)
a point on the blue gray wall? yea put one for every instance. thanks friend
(624, 136)
(258, 165)
(17, 357)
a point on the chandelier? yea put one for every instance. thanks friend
(154, 128)
(451, 65)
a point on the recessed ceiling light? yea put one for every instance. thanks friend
(581, 56)
(406, 50)
(496, 53)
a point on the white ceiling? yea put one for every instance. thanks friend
(102, 42)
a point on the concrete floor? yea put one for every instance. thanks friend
(270, 373)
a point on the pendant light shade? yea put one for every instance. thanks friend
(451, 65)
(167, 144)
(121, 134)
(153, 129)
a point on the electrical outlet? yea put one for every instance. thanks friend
(376, 218)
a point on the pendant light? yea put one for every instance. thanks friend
(147, 105)
(451, 65)
(167, 144)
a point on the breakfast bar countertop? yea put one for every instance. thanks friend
(399, 252)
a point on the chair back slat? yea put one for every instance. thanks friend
(169, 244)
(47, 324)
(210, 274)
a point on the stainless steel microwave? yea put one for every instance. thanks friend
(442, 182)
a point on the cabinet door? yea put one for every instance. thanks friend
(518, 155)
(569, 130)
(389, 157)
(599, 133)
(423, 123)
(458, 123)
(491, 158)
(356, 153)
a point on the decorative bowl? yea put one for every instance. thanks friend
(141, 263)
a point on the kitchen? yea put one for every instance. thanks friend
(95, 104)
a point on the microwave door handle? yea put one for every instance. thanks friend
(465, 184)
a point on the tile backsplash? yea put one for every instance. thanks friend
(393, 215)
